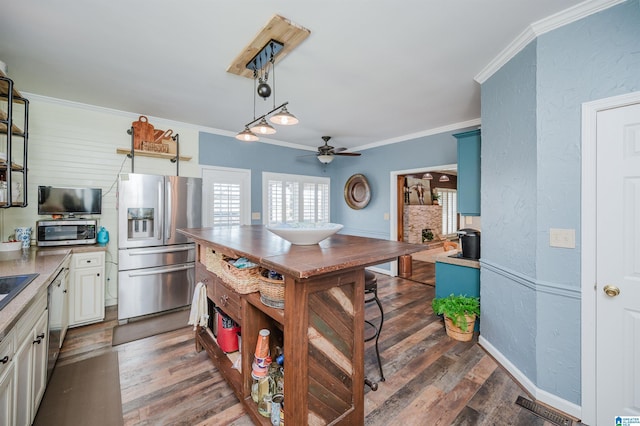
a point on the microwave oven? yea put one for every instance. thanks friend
(66, 232)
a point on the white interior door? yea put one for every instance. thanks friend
(618, 264)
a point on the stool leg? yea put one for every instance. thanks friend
(375, 293)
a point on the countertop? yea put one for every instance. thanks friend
(43, 261)
(446, 258)
(336, 253)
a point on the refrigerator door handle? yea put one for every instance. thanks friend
(161, 209)
(159, 250)
(169, 213)
(161, 271)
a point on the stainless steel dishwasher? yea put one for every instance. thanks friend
(57, 304)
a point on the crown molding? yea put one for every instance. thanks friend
(540, 27)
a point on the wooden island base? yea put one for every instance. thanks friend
(320, 328)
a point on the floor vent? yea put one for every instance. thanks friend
(544, 412)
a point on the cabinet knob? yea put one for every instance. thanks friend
(223, 300)
(4, 360)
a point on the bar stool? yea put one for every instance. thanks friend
(371, 295)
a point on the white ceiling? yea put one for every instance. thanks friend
(371, 71)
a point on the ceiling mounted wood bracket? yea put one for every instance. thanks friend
(268, 53)
(280, 29)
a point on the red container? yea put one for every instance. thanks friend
(227, 337)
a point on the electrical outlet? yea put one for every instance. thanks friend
(255, 215)
(386, 216)
(563, 238)
(468, 220)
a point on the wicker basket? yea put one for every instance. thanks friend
(271, 291)
(244, 281)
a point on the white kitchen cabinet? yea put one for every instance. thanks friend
(40, 349)
(86, 288)
(30, 361)
(7, 379)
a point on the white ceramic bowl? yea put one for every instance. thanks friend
(303, 233)
(10, 246)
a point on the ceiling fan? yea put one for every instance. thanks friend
(326, 152)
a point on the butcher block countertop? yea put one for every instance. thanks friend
(336, 253)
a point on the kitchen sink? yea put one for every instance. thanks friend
(11, 286)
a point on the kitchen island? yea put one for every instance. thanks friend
(321, 328)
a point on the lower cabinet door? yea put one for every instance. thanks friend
(87, 296)
(23, 361)
(40, 349)
(6, 395)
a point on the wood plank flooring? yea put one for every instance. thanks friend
(431, 379)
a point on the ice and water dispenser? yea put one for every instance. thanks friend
(140, 223)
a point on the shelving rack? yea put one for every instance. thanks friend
(10, 98)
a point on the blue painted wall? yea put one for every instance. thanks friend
(375, 163)
(537, 289)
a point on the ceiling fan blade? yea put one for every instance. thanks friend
(350, 154)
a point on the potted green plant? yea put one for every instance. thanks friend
(435, 198)
(460, 314)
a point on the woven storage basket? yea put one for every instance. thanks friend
(212, 261)
(271, 291)
(243, 281)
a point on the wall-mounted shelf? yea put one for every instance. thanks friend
(142, 153)
(13, 144)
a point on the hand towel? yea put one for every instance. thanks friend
(199, 315)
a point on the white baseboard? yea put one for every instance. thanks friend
(540, 395)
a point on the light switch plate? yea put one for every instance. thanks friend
(255, 215)
(563, 238)
(386, 216)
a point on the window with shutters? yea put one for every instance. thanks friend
(295, 198)
(449, 202)
(226, 197)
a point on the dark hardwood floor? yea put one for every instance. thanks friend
(431, 379)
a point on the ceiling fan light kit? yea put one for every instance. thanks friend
(325, 158)
(326, 152)
(276, 39)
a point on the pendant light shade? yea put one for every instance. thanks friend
(246, 136)
(443, 178)
(427, 176)
(284, 118)
(263, 128)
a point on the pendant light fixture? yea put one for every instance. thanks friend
(247, 135)
(427, 176)
(262, 64)
(443, 178)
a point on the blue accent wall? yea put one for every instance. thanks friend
(531, 127)
(375, 163)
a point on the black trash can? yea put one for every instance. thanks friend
(470, 241)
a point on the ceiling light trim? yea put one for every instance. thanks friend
(540, 27)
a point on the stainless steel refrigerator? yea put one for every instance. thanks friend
(156, 265)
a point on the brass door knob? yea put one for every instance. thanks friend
(611, 290)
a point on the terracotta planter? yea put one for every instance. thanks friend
(457, 333)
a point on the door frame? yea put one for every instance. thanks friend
(394, 200)
(588, 238)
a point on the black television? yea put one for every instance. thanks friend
(69, 201)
